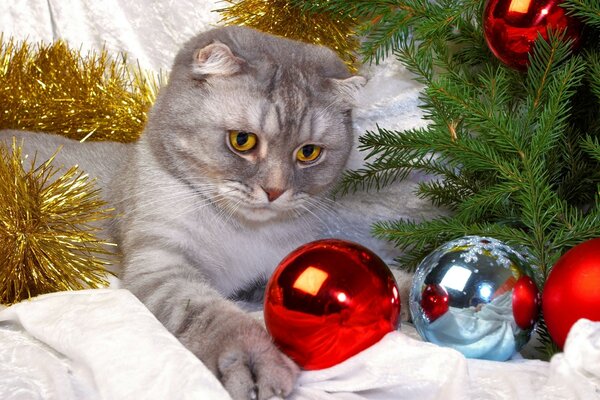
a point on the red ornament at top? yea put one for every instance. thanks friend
(329, 300)
(572, 290)
(512, 26)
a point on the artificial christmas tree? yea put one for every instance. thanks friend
(514, 155)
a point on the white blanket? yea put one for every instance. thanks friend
(104, 344)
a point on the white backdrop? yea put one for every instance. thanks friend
(104, 344)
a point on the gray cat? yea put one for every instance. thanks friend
(231, 173)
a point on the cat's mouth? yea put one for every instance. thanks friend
(266, 207)
(263, 211)
(260, 213)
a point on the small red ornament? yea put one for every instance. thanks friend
(525, 302)
(572, 290)
(434, 301)
(329, 300)
(512, 26)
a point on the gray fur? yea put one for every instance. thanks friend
(195, 224)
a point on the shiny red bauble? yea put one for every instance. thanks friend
(329, 300)
(526, 301)
(434, 301)
(572, 290)
(512, 26)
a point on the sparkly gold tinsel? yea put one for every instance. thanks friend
(52, 88)
(47, 237)
(281, 18)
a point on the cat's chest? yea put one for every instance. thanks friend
(233, 257)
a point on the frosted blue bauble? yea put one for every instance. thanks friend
(475, 294)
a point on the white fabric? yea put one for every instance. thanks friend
(95, 344)
(399, 367)
(105, 345)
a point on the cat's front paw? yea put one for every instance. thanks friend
(251, 367)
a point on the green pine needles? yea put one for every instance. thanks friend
(513, 155)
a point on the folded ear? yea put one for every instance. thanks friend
(216, 59)
(347, 89)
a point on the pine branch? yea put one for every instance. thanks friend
(371, 176)
(465, 106)
(451, 188)
(593, 75)
(488, 203)
(576, 226)
(395, 154)
(547, 348)
(382, 22)
(588, 11)
(592, 146)
(443, 193)
(573, 171)
(544, 59)
(539, 210)
(426, 236)
(551, 83)
(416, 61)
(383, 37)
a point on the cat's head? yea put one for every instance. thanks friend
(260, 124)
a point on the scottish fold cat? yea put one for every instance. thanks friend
(232, 172)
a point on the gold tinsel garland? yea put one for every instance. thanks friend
(52, 88)
(279, 17)
(47, 235)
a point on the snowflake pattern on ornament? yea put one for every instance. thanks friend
(471, 247)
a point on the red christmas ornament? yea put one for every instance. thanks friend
(572, 290)
(329, 300)
(434, 301)
(512, 26)
(525, 302)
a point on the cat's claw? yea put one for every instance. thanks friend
(251, 367)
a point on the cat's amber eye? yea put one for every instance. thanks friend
(242, 141)
(308, 153)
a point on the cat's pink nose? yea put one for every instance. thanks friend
(273, 194)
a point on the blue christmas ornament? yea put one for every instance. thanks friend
(475, 294)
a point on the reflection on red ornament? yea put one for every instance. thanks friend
(329, 300)
(525, 302)
(512, 26)
(572, 290)
(434, 301)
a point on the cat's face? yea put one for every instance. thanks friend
(262, 139)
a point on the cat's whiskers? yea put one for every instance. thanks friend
(186, 209)
(191, 208)
(207, 187)
(330, 201)
(233, 209)
(303, 218)
(173, 197)
(316, 216)
(327, 209)
(224, 214)
(188, 201)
